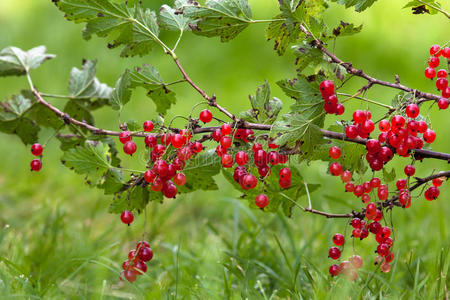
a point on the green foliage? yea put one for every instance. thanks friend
(122, 92)
(171, 18)
(360, 5)
(15, 61)
(424, 6)
(223, 18)
(134, 28)
(264, 109)
(148, 77)
(346, 29)
(84, 84)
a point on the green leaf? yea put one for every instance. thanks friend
(133, 125)
(113, 182)
(418, 7)
(172, 18)
(282, 35)
(134, 28)
(70, 141)
(346, 29)
(77, 109)
(389, 176)
(293, 128)
(223, 18)
(15, 61)
(13, 119)
(359, 5)
(149, 78)
(84, 84)
(305, 91)
(199, 172)
(91, 160)
(264, 109)
(121, 94)
(45, 117)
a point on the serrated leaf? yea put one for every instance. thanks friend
(45, 117)
(134, 28)
(199, 172)
(113, 182)
(282, 35)
(138, 198)
(133, 125)
(27, 130)
(293, 128)
(172, 18)
(346, 29)
(84, 84)
(149, 78)
(90, 159)
(359, 5)
(121, 94)
(425, 6)
(223, 18)
(15, 61)
(70, 141)
(389, 176)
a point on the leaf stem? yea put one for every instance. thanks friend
(356, 96)
(436, 8)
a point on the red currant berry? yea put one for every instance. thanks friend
(335, 169)
(197, 147)
(375, 182)
(410, 170)
(401, 184)
(225, 141)
(334, 270)
(443, 103)
(273, 158)
(129, 148)
(334, 152)
(140, 267)
(430, 73)
(262, 200)
(249, 182)
(375, 227)
(127, 217)
(382, 249)
(359, 116)
(398, 121)
(356, 223)
(356, 261)
(326, 88)
(241, 158)
(150, 141)
(148, 126)
(435, 49)
(36, 165)
(442, 73)
(217, 134)
(149, 176)
(36, 149)
(125, 136)
(285, 173)
(437, 182)
(446, 52)
(284, 183)
(129, 275)
(334, 253)
(226, 129)
(179, 179)
(433, 62)
(205, 116)
(429, 136)
(145, 254)
(412, 111)
(263, 171)
(446, 92)
(351, 131)
(178, 141)
(340, 109)
(349, 187)
(227, 160)
(384, 125)
(338, 239)
(256, 147)
(346, 176)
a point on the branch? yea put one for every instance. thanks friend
(360, 73)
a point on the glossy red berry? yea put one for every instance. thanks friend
(335, 169)
(226, 129)
(346, 176)
(179, 179)
(334, 253)
(441, 83)
(36, 149)
(129, 148)
(284, 183)
(349, 187)
(140, 267)
(338, 239)
(334, 270)
(446, 52)
(398, 121)
(217, 134)
(273, 158)
(359, 116)
(446, 92)
(356, 223)
(241, 158)
(443, 103)
(351, 131)
(437, 182)
(150, 141)
(149, 176)
(127, 217)
(205, 116)
(145, 254)
(334, 152)
(412, 110)
(178, 141)
(326, 88)
(384, 125)
(263, 171)
(36, 165)
(225, 142)
(410, 170)
(125, 136)
(442, 73)
(129, 275)
(227, 160)
(249, 182)
(433, 62)
(430, 73)
(148, 126)
(285, 173)
(340, 109)
(382, 249)
(435, 49)
(262, 200)
(429, 136)
(375, 182)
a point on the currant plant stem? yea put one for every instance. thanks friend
(367, 100)
(436, 8)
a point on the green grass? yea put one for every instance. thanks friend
(57, 240)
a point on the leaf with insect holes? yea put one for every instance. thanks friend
(121, 94)
(359, 5)
(222, 18)
(133, 27)
(91, 159)
(199, 172)
(293, 128)
(345, 29)
(15, 61)
(14, 119)
(172, 18)
(424, 6)
(149, 78)
(285, 199)
(84, 84)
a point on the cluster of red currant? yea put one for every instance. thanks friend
(331, 104)
(430, 72)
(136, 263)
(36, 150)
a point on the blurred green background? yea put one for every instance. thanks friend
(58, 241)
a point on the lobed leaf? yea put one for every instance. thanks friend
(360, 5)
(121, 94)
(15, 61)
(84, 84)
